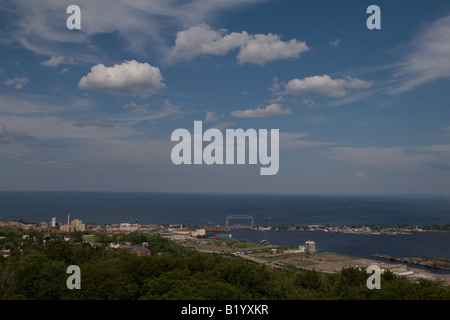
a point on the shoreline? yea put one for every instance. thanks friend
(327, 262)
(360, 229)
(282, 256)
(428, 262)
(339, 229)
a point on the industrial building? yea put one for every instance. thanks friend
(310, 246)
(75, 225)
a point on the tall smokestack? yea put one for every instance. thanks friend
(68, 218)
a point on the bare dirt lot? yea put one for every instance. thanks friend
(332, 263)
(273, 256)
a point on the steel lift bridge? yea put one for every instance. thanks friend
(239, 217)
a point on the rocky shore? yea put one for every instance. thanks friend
(435, 263)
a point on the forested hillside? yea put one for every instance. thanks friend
(37, 272)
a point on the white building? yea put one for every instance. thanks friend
(128, 227)
(74, 225)
(310, 246)
(77, 225)
(198, 233)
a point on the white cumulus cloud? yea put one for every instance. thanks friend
(211, 116)
(203, 39)
(258, 49)
(142, 25)
(261, 49)
(325, 85)
(274, 109)
(130, 77)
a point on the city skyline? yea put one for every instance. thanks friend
(359, 111)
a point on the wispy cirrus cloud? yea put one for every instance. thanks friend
(335, 43)
(361, 175)
(38, 104)
(17, 83)
(439, 148)
(96, 123)
(136, 107)
(140, 24)
(294, 140)
(212, 116)
(52, 62)
(380, 156)
(2, 130)
(144, 112)
(427, 60)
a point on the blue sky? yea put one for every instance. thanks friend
(359, 111)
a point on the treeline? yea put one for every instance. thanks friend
(372, 226)
(175, 272)
(436, 227)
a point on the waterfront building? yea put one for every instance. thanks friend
(64, 228)
(43, 225)
(198, 232)
(310, 246)
(128, 227)
(75, 225)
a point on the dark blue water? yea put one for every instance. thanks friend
(420, 244)
(196, 209)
